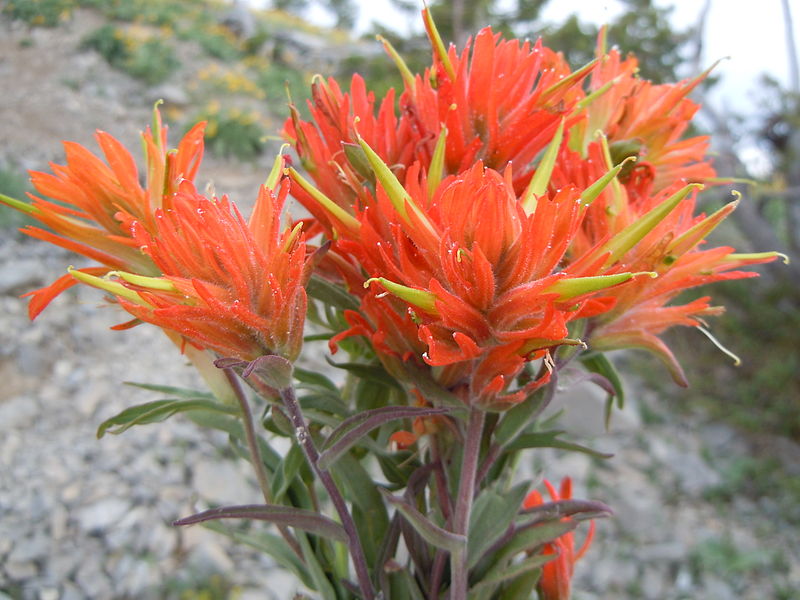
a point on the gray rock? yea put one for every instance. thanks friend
(30, 549)
(102, 514)
(70, 591)
(21, 571)
(19, 275)
(221, 483)
(93, 581)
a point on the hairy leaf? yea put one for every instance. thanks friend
(156, 411)
(279, 515)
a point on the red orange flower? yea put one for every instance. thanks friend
(645, 120)
(91, 200)
(556, 580)
(500, 100)
(470, 272)
(228, 285)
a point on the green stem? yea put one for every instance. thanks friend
(303, 436)
(255, 454)
(466, 493)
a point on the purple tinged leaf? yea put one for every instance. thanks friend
(566, 508)
(432, 533)
(273, 370)
(279, 515)
(352, 429)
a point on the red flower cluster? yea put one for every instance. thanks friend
(475, 267)
(556, 580)
(189, 264)
(477, 218)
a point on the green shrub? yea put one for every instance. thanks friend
(15, 184)
(232, 131)
(151, 12)
(145, 56)
(43, 13)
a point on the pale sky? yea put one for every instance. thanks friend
(750, 33)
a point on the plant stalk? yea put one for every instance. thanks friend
(312, 455)
(466, 493)
(255, 455)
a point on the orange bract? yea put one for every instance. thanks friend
(556, 579)
(232, 286)
(91, 201)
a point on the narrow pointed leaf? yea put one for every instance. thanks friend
(330, 293)
(492, 514)
(541, 177)
(170, 390)
(157, 411)
(436, 169)
(312, 379)
(515, 420)
(432, 533)
(321, 582)
(356, 427)
(597, 362)
(577, 286)
(419, 298)
(268, 544)
(549, 439)
(532, 538)
(497, 576)
(405, 72)
(279, 515)
(336, 211)
(374, 373)
(591, 193)
(626, 239)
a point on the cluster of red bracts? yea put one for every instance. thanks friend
(498, 207)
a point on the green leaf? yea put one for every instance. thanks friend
(369, 510)
(289, 516)
(171, 391)
(352, 429)
(326, 402)
(321, 582)
(331, 294)
(374, 373)
(502, 573)
(403, 586)
(397, 467)
(530, 539)
(159, 410)
(290, 467)
(312, 379)
(549, 439)
(269, 544)
(515, 420)
(431, 533)
(492, 514)
(597, 362)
